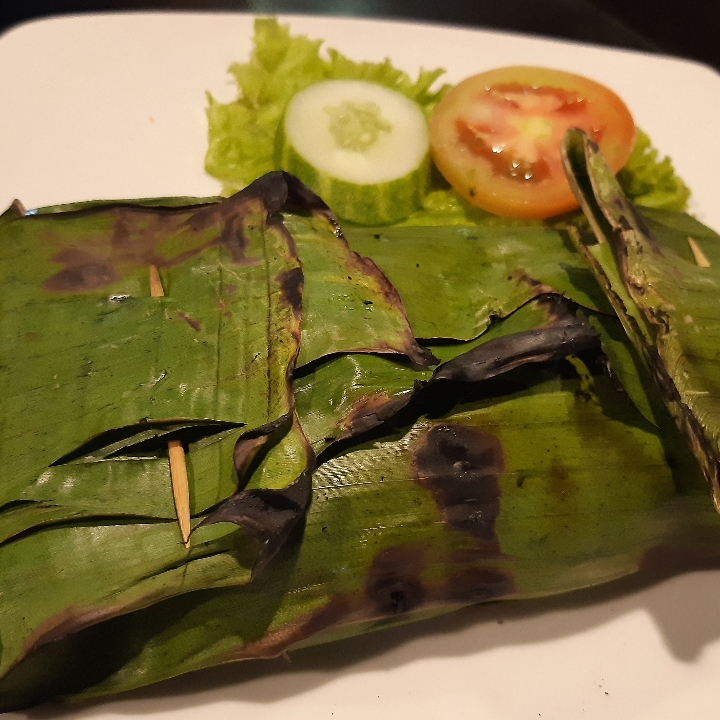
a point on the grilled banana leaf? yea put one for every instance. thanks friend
(354, 394)
(455, 280)
(550, 482)
(209, 357)
(665, 297)
(92, 361)
(521, 449)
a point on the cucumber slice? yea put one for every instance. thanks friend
(362, 147)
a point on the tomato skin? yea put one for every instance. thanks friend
(496, 137)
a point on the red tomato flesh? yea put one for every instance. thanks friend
(496, 137)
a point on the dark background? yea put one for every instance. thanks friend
(690, 28)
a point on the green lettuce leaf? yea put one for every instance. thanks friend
(650, 181)
(242, 133)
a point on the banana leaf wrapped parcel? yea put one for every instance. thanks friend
(374, 425)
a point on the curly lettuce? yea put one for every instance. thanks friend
(650, 181)
(242, 134)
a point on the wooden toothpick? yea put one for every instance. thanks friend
(181, 492)
(700, 257)
(156, 288)
(176, 452)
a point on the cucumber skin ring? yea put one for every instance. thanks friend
(375, 204)
(363, 203)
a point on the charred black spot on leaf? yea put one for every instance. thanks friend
(82, 273)
(521, 277)
(560, 483)
(557, 308)
(122, 234)
(479, 585)
(394, 584)
(325, 617)
(138, 235)
(460, 466)
(301, 198)
(234, 239)
(233, 235)
(371, 411)
(194, 324)
(472, 556)
(273, 643)
(291, 287)
(138, 231)
(567, 336)
(137, 238)
(272, 188)
(244, 212)
(648, 236)
(268, 193)
(266, 515)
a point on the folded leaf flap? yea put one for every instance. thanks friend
(275, 487)
(668, 305)
(349, 305)
(567, 335)
(120, 565)
(353, 394)
(627, 367)
(267, 515)
(455, 280)
(100, 571)
(350, 394)
(91, 363)
(144, 440)
(130, 486)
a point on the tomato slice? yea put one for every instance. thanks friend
(496, 137)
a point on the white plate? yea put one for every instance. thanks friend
(112, 106)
